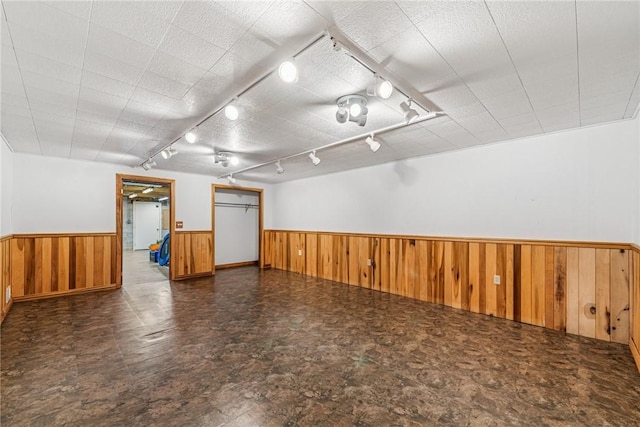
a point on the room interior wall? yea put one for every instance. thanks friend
(236, 233)
(6, 188)
(80, 195)
(573, 185)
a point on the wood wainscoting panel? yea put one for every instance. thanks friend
(634, 305)
(46, 265)
(5, 275)
(194, 253)
(583, 290)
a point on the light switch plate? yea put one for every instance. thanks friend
(496, 279)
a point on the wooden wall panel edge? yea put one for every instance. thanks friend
(64, 293)
(237, 264)
(635, 352)
(566, 243)
(52, 235)
(5, 312)
(193, 275)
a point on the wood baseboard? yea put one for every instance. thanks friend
(4, 314)
(635, 352)
(64, 293)
(236, 264)
(194, 276)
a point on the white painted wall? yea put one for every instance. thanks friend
(574, 185)
(236, 229)
(53, 195)
(6, 188)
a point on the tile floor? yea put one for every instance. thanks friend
(271, 348)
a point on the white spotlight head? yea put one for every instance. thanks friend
(355, 110)
(166, 153)
(231, 179)
(148, 164)
(234, 161)
(314, 158)
(410, 115)
(279, 168)
(288, 71)
(190, 137)
(342, 115)
(231, 111)
(380, 88)
(373, 144)
(173, 151)
(133, 195)
(147, 190)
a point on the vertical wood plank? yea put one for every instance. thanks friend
(620, 292)
(538, 283)
(483, 278)
(98, 261)
(38, 261)
(501, 290)
(573, 291)
(29, 266)
(422, 258)
(377, 259)
(411, 286)
(603, 301)
(311, 255)
(364, 269)
(89, 261)
(354, 261)
(65, 263)
(517, 283)
(54, 264)
(587, 292)
(560, 289)
(448, 278)
(509, 282)
(46, 266)
(385, 265)
(549, 296)
(17, 267)
(474, 277)
(491, 306)
(526, 309)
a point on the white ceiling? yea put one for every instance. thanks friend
(117, 81)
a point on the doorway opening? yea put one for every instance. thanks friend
(237, 225)
(144, 221)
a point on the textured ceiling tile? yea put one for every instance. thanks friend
(124, 18)
(289, 22)
(190, 48)
(153, 99)
(43, 44)
(39, 81)
(44, 19)
(106, 84)
(479, 123)
(163, 85)
(103, 98)
(12, 81)
(112, 68)
(211, 22)
(508, 104)
(465, 35)
(40, 64)
(79, 9)
(13, 100)
(334, 11)
(114, 45)
(61, 106)
(370, 27)
(175, 69)
(247, 11)
(164, 9)
(242, 70)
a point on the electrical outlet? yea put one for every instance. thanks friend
(369, 262)
(496, 279)
(8, 294)
(299, 252)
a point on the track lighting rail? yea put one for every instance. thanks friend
(256, 82)
(351, 139)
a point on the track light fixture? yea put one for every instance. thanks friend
(225, 159)
(410, 115)
(149, 164)
(231, 111)
(380, 88)
(169, 152)
(133, 195)
(314, 158)
(191, 136)
(288, 71)
(279, 168)
(147, 190)
(352, 108)
(372, 143)
(231, 179)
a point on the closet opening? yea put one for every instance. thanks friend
(237, 225)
